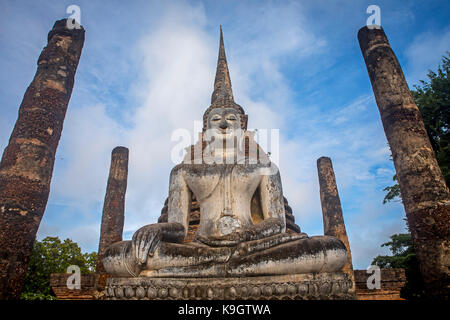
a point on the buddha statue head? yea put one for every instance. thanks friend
(224, 134)
(219, 105)
(224, 125)
(224, 137)
(224, 122)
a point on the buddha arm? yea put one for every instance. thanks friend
(148, 238)
(179, 203)
(272, 202)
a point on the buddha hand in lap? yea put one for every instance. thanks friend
(227, 242)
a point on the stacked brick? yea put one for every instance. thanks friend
(333, 218)
(392, 281)
(114, 205)
(89, 287)
(27, 164)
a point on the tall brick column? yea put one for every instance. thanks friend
(333, 220)
(424, 193)
(114, 206)
(27, 163)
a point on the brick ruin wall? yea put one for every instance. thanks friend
(392, 280)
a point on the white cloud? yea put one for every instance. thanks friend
(88, 139)
(177, 75)
(86, 235)
(372, 227)
(425, 53)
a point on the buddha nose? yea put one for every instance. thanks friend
(223, 125)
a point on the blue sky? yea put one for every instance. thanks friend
(148, 67)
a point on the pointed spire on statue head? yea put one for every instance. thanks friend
(222, 83)
(222, 96)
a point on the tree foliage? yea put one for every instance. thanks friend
(403, 256)
(433, 100)
(402, 250)
(393, 192)
(53, 256)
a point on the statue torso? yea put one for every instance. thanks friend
(224, 193)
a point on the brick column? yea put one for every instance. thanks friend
(424, 193)
(27, 163)
(114, 206)
(333, 220)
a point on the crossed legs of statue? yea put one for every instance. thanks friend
(283, 253)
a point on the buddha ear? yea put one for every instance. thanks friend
(244, 119)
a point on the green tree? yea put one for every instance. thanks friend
(401, 248)
(53, 256)
(433, 100)
(392, 192)
(403, 256)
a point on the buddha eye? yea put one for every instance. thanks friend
(232, 118)
(215, 118)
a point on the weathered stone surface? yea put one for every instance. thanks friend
(27, 163)
(425, 195)
(194, 216)
(222, 82)
(332, 286)
(222, 96)
(333, 219)
(113, 209)
(280, 254)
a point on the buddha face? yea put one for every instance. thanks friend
(224, 124)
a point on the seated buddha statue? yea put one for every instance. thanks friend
(224, 177)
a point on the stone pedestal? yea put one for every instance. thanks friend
(321, 286)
